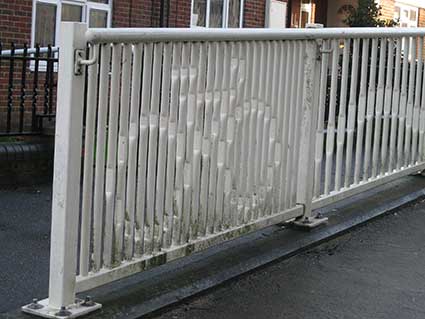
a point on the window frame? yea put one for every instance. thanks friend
(410, 23)
(86, 5)
(225, 19)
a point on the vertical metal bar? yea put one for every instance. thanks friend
(101, 151)
(143, 150)
(23, 84)
(122, 155)
(370, 110)
(403, 103)
(190, 132)
(321, 119)
(162, 147)
(181, 143)
(222, 143)
(253, 128)
(171, 145)
(267, 140)
(47, 81)
(246, 102)
(231, 212)
(286, 107)
(196, 222)
(89, 146)
(362, 110)
(422, 122)
(111, 162)
(395, 107)
(341, 114)
(239, 138)
(151, 225)
(10, 88)
(275, 112)
(410, 103)
(206, 145)
(298, 123)
(330, 128)
(416, 107)
(50, 56)
(379, 108)
(260, 126)
(66, 181)
(289, 175)
(387, 107)
(352, 110)
(132, 151)
(215, 129)
(35, 89)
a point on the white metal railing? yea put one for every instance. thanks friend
(193, 137)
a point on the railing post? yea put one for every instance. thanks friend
(66, 182)
(310, 105)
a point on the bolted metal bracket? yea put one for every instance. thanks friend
(79, 308)
(321, 50)
(80, 61)
(78, 57)
(418, 173)
(307, 223)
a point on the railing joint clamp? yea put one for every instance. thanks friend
(80, 61)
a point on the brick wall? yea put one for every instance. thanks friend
(421, 24)
(15, 21)
(15, 26)
(16, 16)
(146, 13)
(321, 10)
(294, 14)
(387, 9)
(254, 14)
(421, 18)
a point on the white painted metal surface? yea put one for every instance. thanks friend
(193, 137)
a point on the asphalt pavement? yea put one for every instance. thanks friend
(374, 271)
(24, 245)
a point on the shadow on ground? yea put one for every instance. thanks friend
(24, 245)
(375, 271)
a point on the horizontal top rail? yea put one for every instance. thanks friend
(29, 51)
(129, 35)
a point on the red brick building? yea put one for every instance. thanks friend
(38, 21)
(34, 22)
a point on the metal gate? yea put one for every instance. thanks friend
(194, 137)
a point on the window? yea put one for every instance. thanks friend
(45, 23)
(217, 13)
(48, 14)
(407, 15)
(306, 14)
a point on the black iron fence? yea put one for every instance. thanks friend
(28, 80)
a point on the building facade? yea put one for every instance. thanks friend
(38, 21)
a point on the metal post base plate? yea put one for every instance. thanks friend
(310, 223)
(80, 308)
